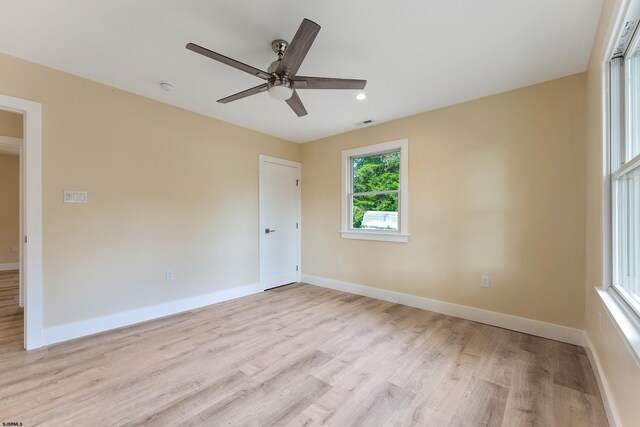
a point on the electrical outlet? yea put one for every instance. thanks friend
(339, 260)
(484, 281)
(168, 275)
(14, 248)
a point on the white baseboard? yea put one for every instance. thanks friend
(83, 328)
(9, 266)
(515, 323)
(603, 385)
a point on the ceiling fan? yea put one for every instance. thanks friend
(281, 79)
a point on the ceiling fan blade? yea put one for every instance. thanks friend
(302, 82)
(298, 48)
(231, 62)
(244, 94)
(296, 105)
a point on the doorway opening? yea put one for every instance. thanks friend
(11, 292)
(23, 268)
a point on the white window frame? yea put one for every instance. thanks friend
(623, 313)
(347, 231)
(620, 146)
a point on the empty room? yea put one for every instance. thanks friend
(363, 213)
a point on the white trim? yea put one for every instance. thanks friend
(607, 224)
(605, 391)
(278, 161)
(96, 325)
(624, 320)
(381, 236)
(8, 266)
(32, 215)
(296, 165)
(401, 235)
(21, 221)
(506, 321)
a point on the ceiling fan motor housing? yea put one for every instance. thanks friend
(279, 47)
(279, 86)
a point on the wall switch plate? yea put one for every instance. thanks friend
(75, 196)
(339, 260)
(14, 248)
(168, 274)
(484, 281)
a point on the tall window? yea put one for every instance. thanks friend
(375, 192)
(624, 78)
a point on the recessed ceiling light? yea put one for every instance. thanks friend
(166, 86)
(361, 96)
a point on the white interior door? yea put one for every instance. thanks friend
(279, 222)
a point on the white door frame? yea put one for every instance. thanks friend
(262, 159)
(31, 205)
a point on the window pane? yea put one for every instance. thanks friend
(375, 211)
(380, 172)
(617, 113)
(627, 232)
(633, 146)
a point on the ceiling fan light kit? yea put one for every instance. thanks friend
(281, 93)
(279, 90)
(282, 82)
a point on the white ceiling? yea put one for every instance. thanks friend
(417, 55)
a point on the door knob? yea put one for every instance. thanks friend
(267, 231)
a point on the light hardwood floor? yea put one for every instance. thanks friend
(299, 355)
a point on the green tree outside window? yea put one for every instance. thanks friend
(378, 177)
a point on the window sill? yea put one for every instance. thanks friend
(372, 235)
(624, 319)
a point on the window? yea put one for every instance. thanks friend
(624, 125)
(375, 196)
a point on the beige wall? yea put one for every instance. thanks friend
(9, 207)
(10, 124)
(496, 187)
(167, 189)
(619, 366)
